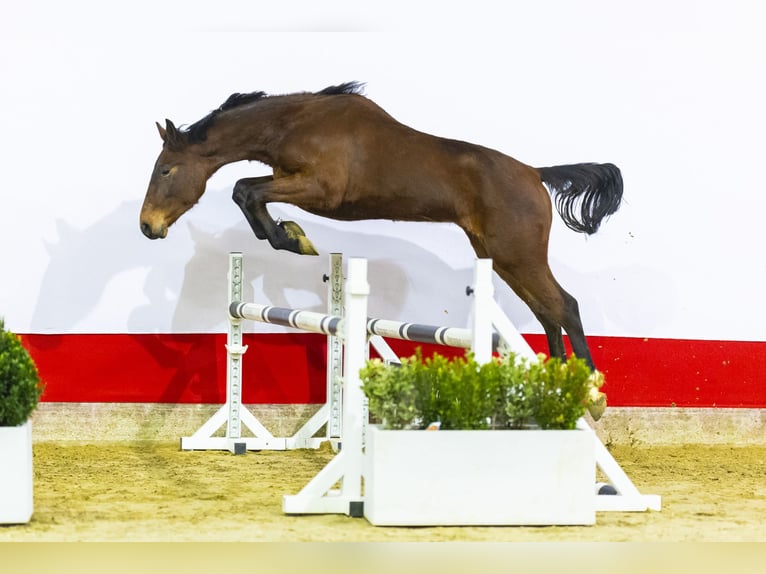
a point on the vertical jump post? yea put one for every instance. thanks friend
(334, 349)
(319, 496)
(235, 349)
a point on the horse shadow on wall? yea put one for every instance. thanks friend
(88, 266)
(181, 284)
(407, 281)
(184, 285)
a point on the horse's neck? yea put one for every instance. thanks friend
(250, 134)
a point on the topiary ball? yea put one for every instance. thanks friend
(20, 385)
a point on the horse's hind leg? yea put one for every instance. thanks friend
(572, 324)
(555, 312)
(520, 257)
(526, 271)
(551, 327)
(553, 336)
(549, 307)
(558, 309)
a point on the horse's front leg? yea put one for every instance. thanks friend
(250, 194)
(241, 197)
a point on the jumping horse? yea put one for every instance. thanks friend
(337, 154)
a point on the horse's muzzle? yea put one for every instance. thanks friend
(151, 233)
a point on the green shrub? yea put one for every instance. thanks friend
(391, 397)
(518, 395)
(459, 393)
(559, 392)
(20, 385)
(506, 392)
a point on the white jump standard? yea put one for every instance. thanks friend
(349, 336)
(318, 497)
(234, 415)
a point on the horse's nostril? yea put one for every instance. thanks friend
(146, 229)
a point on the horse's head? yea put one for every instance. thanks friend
(177, 183)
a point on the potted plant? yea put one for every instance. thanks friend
(507, 450)
(20, 390)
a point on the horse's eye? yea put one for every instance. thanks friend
(165, 171)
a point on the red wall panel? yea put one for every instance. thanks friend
(290, 368)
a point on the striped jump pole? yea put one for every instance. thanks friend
(295, 318)
(333, 325)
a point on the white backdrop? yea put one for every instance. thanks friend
(672, 92)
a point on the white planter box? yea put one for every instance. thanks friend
(16, 474)
(497, 477)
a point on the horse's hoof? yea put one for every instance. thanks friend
(306, 247)
(292, 229)
(597, 407)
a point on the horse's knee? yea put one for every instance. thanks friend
(240, 193)
(248, 189)
(237, 196)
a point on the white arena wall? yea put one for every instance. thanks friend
(673, 93)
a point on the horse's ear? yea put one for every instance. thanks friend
(171, 129)
(163, 132)
(170, 134)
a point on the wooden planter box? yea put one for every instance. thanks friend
(497, 477)
(16, 474)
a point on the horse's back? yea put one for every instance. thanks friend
(385, 169)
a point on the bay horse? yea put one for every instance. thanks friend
(337, 154)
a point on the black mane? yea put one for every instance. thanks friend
(197, 132)
(236, 100)
(345, 88)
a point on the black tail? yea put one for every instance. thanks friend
(584, 193)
